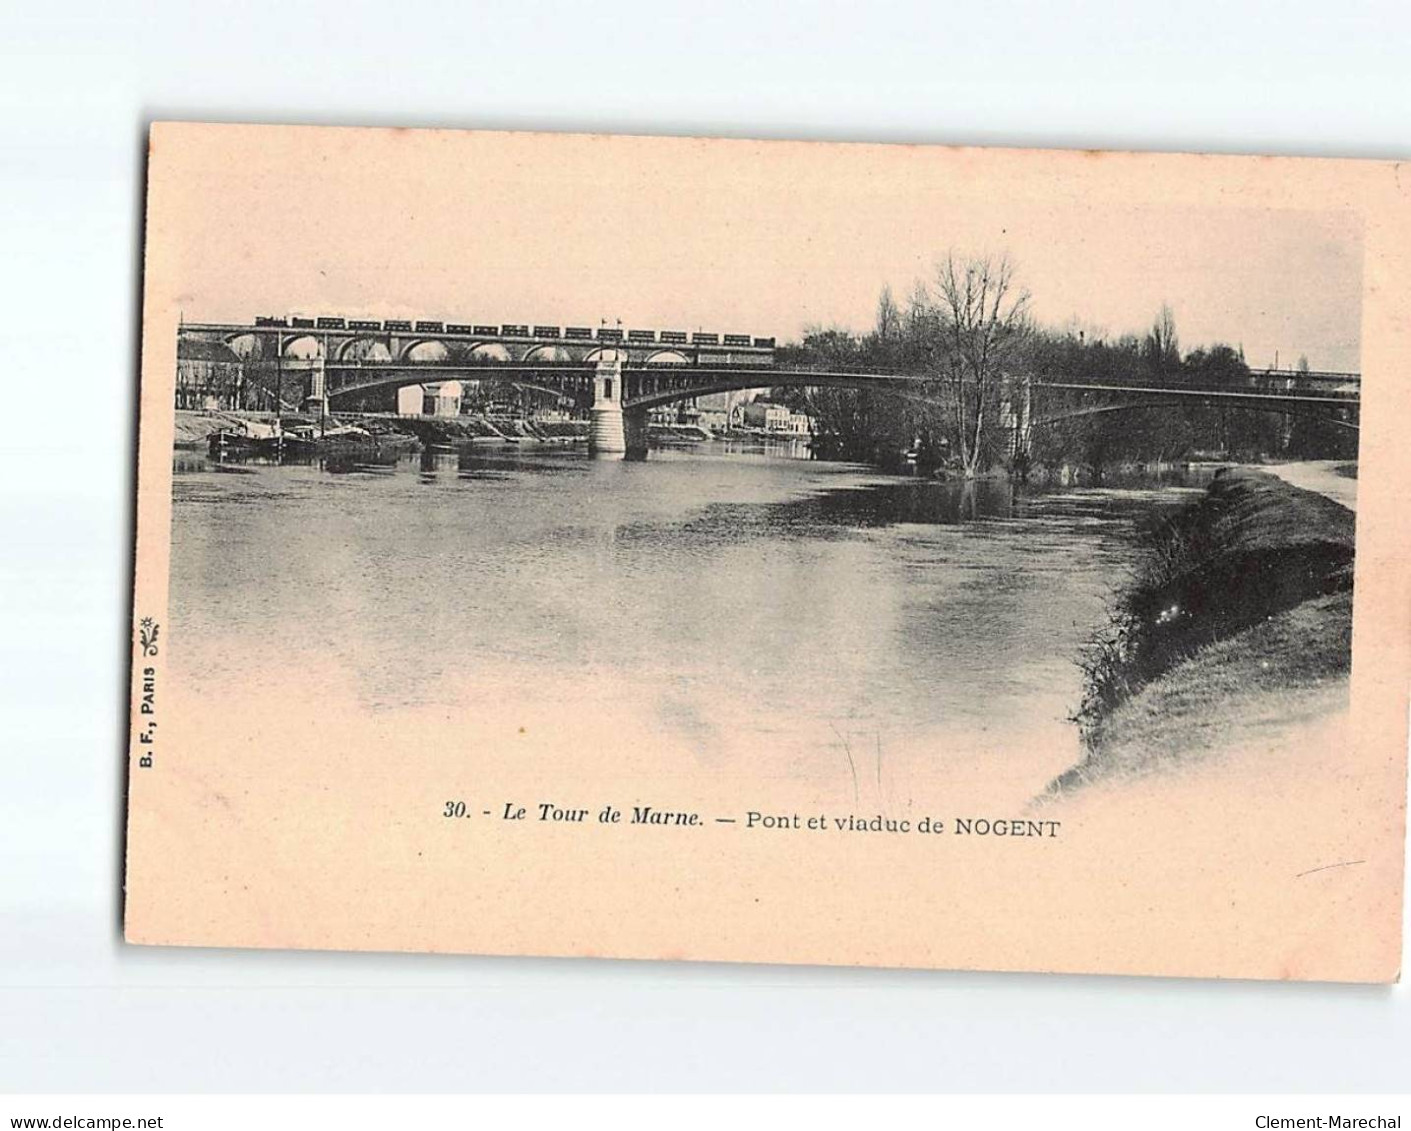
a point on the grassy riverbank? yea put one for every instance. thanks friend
(1237, 626)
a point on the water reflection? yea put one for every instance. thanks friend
(749, 605)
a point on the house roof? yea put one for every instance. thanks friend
(199, 349)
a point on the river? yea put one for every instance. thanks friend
(758, 614)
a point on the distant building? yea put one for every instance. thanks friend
(443, 398)
(715, 419)
(729, 407)
(678, 413)
(713, 410)
(767, 415)
(209, 375)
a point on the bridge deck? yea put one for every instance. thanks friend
(674, 381)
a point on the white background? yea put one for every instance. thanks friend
(78, 81)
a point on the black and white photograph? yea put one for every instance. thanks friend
(904, 532)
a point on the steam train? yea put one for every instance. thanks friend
(515, 330)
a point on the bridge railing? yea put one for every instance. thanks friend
(1255, 386)
(1286, 385)
(386, 363)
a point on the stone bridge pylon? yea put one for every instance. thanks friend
(607, 428)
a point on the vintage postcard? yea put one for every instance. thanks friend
(670, 548)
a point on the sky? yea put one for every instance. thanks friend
(768, 241)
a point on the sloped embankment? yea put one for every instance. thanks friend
(1239, 619)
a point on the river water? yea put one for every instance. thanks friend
(759, 613)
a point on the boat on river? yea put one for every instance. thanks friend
(313, 439)
(247, 438)
(275, 440)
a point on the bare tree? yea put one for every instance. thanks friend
(1162, 347)
(982, 319)
(888, 317)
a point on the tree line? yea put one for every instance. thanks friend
(969, 335)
